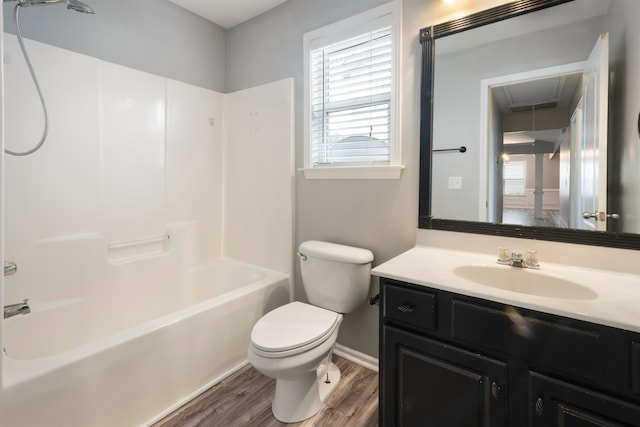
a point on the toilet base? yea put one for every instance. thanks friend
(301, 398)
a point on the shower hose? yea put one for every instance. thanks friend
(45, 131)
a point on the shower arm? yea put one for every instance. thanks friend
(76, 5)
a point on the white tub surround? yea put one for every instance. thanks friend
(149, 238)
(611, 297)
(129, 153)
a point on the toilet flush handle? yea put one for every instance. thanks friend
(303, 256)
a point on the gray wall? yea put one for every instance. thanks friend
(381, 215)
(155, 36)
(624, 92)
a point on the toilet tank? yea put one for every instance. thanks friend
(335, 277)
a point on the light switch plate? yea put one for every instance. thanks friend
(455, 183)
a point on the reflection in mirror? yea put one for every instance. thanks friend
(536, 99)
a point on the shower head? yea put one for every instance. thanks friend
(76, 5)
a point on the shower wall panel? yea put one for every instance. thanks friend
(55, 191)
(260, 175)
(133, 158)
(129, 156)
(194, 177)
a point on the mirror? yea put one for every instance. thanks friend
(526, 119)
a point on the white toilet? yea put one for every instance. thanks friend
(294, 343)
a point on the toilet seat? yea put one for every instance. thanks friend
(293, 328)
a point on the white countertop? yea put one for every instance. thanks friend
(616, 304)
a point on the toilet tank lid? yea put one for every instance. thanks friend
(335, 252)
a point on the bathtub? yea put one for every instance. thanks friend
(126, 354)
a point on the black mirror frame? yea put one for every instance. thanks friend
(427, 37)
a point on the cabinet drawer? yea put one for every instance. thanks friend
(563, 347)
(410, 307)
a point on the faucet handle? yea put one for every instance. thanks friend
(532, 259)
(10, 268)
(503, 255)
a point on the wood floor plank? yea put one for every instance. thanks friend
(244, 400)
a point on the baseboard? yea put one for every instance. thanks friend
(356, 357)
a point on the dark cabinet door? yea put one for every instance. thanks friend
(554, 403)
(428, 383)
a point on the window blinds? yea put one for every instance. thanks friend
(351, 100)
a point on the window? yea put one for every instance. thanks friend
(514, 175)
(350, 98)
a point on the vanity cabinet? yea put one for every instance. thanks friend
(426, 373)
(449, 360)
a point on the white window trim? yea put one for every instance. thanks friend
(343, 30)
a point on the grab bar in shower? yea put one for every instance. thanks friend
(132, 250)
(10, 268)
(139, 242)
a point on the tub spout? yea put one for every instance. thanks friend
(15, 309)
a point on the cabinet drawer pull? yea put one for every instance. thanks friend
(407, 308)
(539, 407)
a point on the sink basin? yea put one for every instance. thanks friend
(525, 281)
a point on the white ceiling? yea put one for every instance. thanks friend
(560, 90)
(228, 13)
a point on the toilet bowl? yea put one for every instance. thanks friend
(294, 343)
(301, 364)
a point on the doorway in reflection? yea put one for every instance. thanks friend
(547, 139)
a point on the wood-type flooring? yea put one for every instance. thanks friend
(244, 400)
(526, 217)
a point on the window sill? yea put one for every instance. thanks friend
(354, 172)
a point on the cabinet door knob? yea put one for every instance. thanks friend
(407, 308)
(495, 390)
(539, 407)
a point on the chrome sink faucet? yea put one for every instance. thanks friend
(517, 259)
(15, 309)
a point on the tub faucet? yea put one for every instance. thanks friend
(15, 309)
(10, 268)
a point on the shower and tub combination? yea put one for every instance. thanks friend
(141, 263)
(134, 344)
